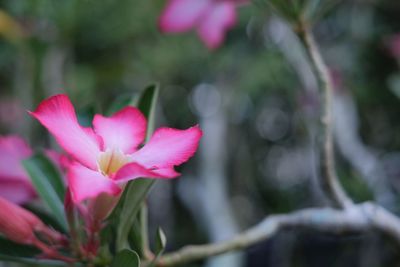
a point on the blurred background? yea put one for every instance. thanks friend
(255, 99)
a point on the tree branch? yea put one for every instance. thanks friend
(360, 156)
(329, 179)
(357, 218)
(350, 218)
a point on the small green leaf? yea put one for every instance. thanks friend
(161, 241)
(126, 258)
(48, 183)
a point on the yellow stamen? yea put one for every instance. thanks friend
(111, 161)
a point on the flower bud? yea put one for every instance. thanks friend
(22, 226)
(100, 208)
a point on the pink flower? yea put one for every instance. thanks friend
(210, 18)
(393, 44)
(15, 184)
(108, 155)
(11, 113)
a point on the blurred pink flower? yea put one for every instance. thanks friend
(393, 44)
(210, 18)
(11, 112)
(108, 156)
(15, 184)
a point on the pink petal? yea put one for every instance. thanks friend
(16, 191)
(182, 15)
(132, 171)
(167, 172)
(168, 147)
(15, 184)
(124, 130)
(58, 115)
(85, 183)
(13, 150)
(221, 18)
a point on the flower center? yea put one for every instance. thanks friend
(111, 161)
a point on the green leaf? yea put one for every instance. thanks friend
(137, 190)
(126, 258)
(135, 193)
(120, 102)
(45, 216)
(147, 105)
(138, 234)
(13, 252)
(12, 249)
(33, 261)
(161, 241)
(135, 238)
(48, 183)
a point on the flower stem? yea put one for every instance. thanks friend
(145, 231)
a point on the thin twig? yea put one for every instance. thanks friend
(329, 179)
(358, 218)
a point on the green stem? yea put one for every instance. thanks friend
(144, 231)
